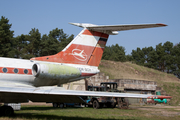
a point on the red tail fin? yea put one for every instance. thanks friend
(86, 48)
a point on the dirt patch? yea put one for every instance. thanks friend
(164, 113)
(159, 110)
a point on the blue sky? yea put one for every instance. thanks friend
(46, 15)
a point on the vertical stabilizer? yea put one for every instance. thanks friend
(86, 49)
(88, 46)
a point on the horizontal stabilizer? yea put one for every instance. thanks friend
(112, 29)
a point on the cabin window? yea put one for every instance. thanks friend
(25, 71)
(16, 70)
(5, 70)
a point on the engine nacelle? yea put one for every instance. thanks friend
(47, 74)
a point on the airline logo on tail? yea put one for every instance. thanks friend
(79, 54)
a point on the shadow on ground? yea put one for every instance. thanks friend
(29, 116)
(48, 108)
(28, 113)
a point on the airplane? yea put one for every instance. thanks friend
(36, 79)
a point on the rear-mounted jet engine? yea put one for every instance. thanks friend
(47, 74)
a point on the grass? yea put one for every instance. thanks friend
(173, 89)
(50, 113)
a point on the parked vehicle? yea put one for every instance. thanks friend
(113, 87)
(98, 102)
(110, 86)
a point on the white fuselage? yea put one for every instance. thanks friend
(20, 71)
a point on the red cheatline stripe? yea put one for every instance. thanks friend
(87, 74)
(94, 33)
(11, 71)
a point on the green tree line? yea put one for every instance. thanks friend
(32, 44)
(165, 57)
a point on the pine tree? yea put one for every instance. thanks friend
(138, 56)
(19, 46)
(176, 54)
(55, 42)
(6, 38)
(32, 49)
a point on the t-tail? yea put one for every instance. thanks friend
(88, 46)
